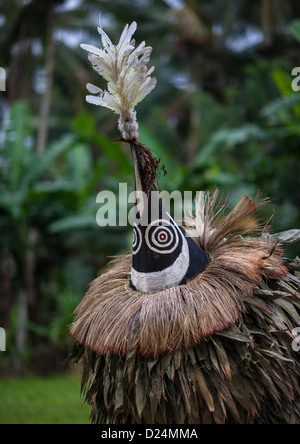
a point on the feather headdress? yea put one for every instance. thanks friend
(124, 67)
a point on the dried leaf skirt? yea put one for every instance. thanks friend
(219, 350)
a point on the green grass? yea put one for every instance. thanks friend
(33, 400)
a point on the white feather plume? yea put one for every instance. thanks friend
(124, 67)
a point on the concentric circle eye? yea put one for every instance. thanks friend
(162, 237)
(137, 239)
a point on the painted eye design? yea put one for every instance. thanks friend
(137, 239)
(162, 237)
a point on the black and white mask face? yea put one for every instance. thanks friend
(160, 256)
(163, 256)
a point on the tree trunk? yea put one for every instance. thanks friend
(49, 70)
(18, 77)
(266, 22)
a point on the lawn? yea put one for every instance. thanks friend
(33, 400)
